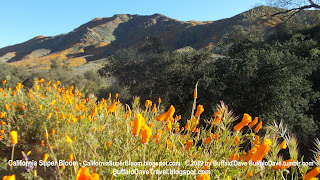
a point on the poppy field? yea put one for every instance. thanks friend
(60, 133)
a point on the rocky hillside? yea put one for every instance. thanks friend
(100, 37)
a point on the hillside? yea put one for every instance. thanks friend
(100, 37)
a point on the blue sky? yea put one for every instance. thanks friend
(22, 20)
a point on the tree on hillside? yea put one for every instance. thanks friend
(294, 6)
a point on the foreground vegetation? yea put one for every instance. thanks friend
(49, 123)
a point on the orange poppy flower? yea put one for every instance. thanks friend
(138, 122)
(245, 121)
(12, 177)
(200, 110)
(84, 174)
(189, 143)
(146, 134)
(14, 137)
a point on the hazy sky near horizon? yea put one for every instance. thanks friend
(22, 20)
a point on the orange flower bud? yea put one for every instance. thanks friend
(208, 139)
(70, 157)
(45, 157)
(49, 115)
(259, 126)
(256, 140)
(169, 126)
(109, 143)
(284, 165)
(283, 145)
(236, 140)
(310, 175)
(154, 108)
(254, 122)
(189, 143)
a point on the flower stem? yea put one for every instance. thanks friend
(12, 153)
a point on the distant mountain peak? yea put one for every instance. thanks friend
(102, 36)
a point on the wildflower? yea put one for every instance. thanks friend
(112, 107)
(283, 145)
(101, 128)
(204, 176)
(217, 116)
(256, 140)
(154, 108)
(53, 131)
(284, 165)
(254, 122)
(207, 166)
(250, 154)
(257, 129)
(249, 174)
(148, 103)
(70, 157)
(167, 115)
(14, 137)
(200, 110)
(41, 80)
(49, 115)
(146, 134)
(117, 95)
(208, 139)
(40, 107)
(169, 126)
(1, 137)
(53, 102)
(310, 175)
(159, 100)
(2, 114)
(195, 92)
(245, 121)
(4, 81)
(45, 157)
(1, 131)
(2, 123)
(84, 174)
(12, 177)
(109, 143)
(236, 140)
(42, 143)
(6, 106)
(68, 139)
(262, 150)
(46, 134)
(189, 143)
(138, 122)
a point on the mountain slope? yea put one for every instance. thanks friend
(102, 36)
